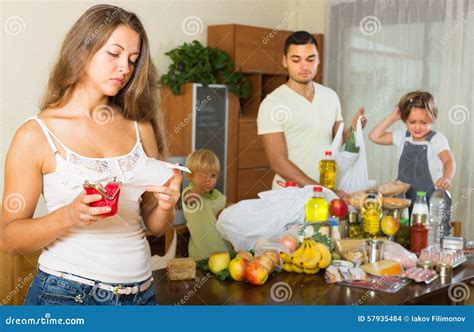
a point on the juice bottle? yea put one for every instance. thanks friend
(371, 213)
(418, 237)
(317, 209)
(327, 171)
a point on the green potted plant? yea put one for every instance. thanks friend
(192, 62)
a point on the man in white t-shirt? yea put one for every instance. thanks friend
(298, 120)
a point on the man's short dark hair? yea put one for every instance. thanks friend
(299, 38)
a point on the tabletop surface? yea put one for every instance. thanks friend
(294, 289)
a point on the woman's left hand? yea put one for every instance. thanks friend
(168, 194)
(444, 183)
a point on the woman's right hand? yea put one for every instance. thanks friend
(80, 213)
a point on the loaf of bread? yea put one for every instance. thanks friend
(383, 267)
(181, 269)
(393, 188)
(391, 203)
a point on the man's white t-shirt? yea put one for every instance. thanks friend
(307, 125)
(437, 144)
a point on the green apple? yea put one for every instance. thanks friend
(218, 261)
(389, 225)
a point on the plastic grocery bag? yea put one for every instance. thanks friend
(242, 224)
(352, 174)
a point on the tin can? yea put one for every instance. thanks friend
(445, 269)
(374, 250)
(445, 272)
(427, 265)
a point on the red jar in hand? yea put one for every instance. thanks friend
(110, 195)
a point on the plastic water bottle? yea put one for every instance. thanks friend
(440, 216)
(327, 171)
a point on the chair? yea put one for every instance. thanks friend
(160, 262)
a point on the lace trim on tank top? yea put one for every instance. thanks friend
(106, 166)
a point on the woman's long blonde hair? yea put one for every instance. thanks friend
(139, 99)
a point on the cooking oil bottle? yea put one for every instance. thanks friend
(317, 209)
(327, 171)
(371, 213)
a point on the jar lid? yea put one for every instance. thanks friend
(420, 194)
(404, 221)
(353, 217)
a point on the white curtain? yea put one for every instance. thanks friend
(378, 50)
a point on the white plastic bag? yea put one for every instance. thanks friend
(242, 224)
(352, 174)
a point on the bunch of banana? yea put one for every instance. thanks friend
(308, 258)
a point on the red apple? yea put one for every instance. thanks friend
(338, 208)
(255, 273)
(266, 262)
(237, 268)
(289, 242)
(245, 254)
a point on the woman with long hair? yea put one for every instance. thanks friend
(99, 120)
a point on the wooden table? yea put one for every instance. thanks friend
(305, 289)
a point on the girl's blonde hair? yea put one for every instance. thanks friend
(203, 160)
(139, 99)
(418, 99)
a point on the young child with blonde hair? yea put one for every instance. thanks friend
(424, 158)
(202, 203)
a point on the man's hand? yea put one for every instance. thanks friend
(360, 112)
(342, 194)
